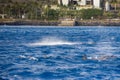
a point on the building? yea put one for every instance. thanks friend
(82, 3)
(97, 3)
(63, 2)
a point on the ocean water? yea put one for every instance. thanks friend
(59, 53)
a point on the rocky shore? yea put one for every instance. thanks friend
(108, 22)
(29, 22)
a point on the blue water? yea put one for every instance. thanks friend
(59, 53)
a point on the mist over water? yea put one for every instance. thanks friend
(52, 53)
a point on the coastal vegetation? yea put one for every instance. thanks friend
(42, 10)
(91, 13)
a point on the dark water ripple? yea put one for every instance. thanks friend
(46, 53)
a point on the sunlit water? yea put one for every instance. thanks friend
(55, 53)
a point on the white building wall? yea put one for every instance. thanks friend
(82, 2)
(96, 3)
(65, 2)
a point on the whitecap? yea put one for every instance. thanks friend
(102, 57)
(33, 58)
(84, 73)
(22, 56)
(90, 41)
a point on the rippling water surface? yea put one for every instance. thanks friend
(55, 53)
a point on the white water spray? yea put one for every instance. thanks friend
(51, 41)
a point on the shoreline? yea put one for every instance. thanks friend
(106, 22)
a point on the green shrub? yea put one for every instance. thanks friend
(88, 13)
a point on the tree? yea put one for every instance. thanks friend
(108, 14)
(51, 14)
(5, 1)
(118, 14)
(88, 13)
